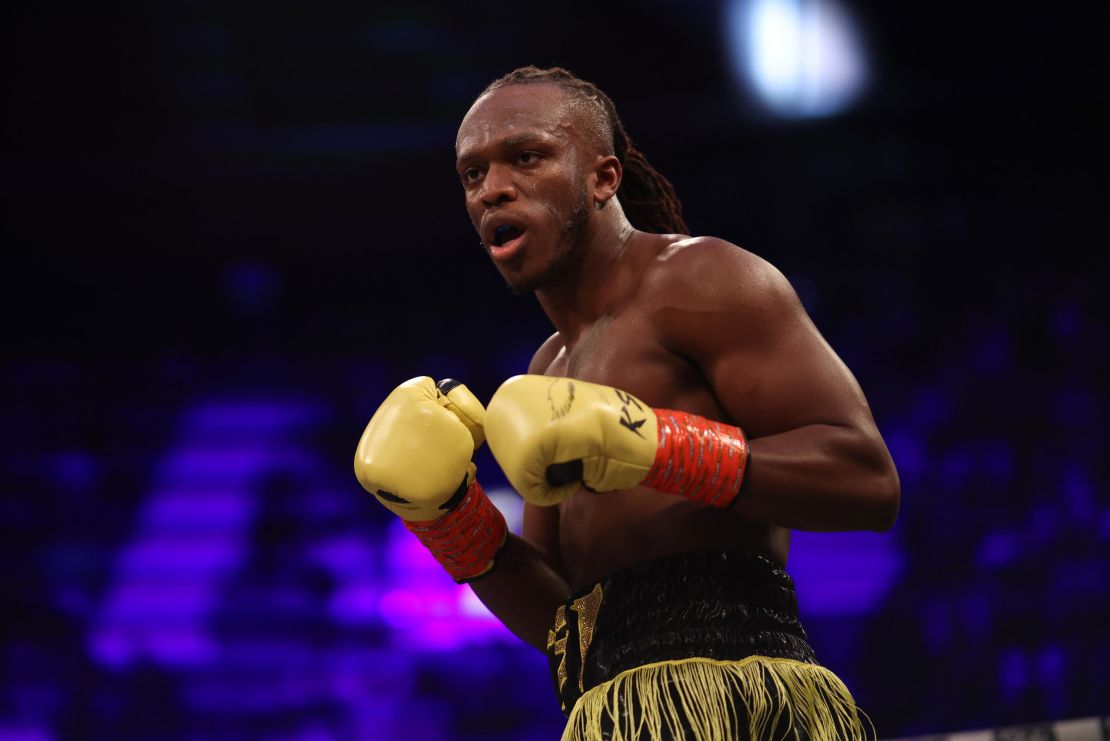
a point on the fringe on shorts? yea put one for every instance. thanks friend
(753, 698)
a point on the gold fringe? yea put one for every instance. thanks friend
(812, 702)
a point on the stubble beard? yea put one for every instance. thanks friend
(568, 248)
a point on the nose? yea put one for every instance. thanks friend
(498, 186)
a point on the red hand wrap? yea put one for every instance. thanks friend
(465, 539)
(698, 458)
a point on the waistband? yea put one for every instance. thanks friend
(722, 606)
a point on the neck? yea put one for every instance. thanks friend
(592, 287)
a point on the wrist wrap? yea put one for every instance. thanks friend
(466, 539)
(698, 458)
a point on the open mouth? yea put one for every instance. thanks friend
(506, 233)
(506, 242)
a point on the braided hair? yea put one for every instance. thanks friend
(648, 198)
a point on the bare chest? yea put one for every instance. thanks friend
(623, 351)
(603, 533)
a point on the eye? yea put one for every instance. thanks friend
(471, 174)
(528, 158)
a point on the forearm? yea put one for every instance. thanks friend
(820, 477)
(814, 477)
(416, 458)
(523, 591)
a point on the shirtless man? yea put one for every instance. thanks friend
(684, 417)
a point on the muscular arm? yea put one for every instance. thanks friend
(523, 591)
(817, 460)
(528, 583)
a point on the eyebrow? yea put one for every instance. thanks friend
(528, 137)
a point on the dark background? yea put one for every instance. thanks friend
(231, 228)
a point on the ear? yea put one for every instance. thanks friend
(608, 173)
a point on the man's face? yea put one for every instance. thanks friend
(520, 156)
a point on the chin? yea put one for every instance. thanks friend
(524, 280)
(529, 282)
(521, 284)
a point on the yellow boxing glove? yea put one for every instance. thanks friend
(415, 454)
(415, 457)
(552, 435)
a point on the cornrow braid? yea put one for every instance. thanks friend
(648, 198)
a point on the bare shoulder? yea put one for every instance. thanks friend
(546, 353)
(706, 279)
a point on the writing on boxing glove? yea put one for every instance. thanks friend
(551, 435)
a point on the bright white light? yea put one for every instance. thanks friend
(801, 57)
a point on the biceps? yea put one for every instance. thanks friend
(793, 380)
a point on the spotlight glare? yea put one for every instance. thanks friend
(801, 58)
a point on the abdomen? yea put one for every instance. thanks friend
(601, 534)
